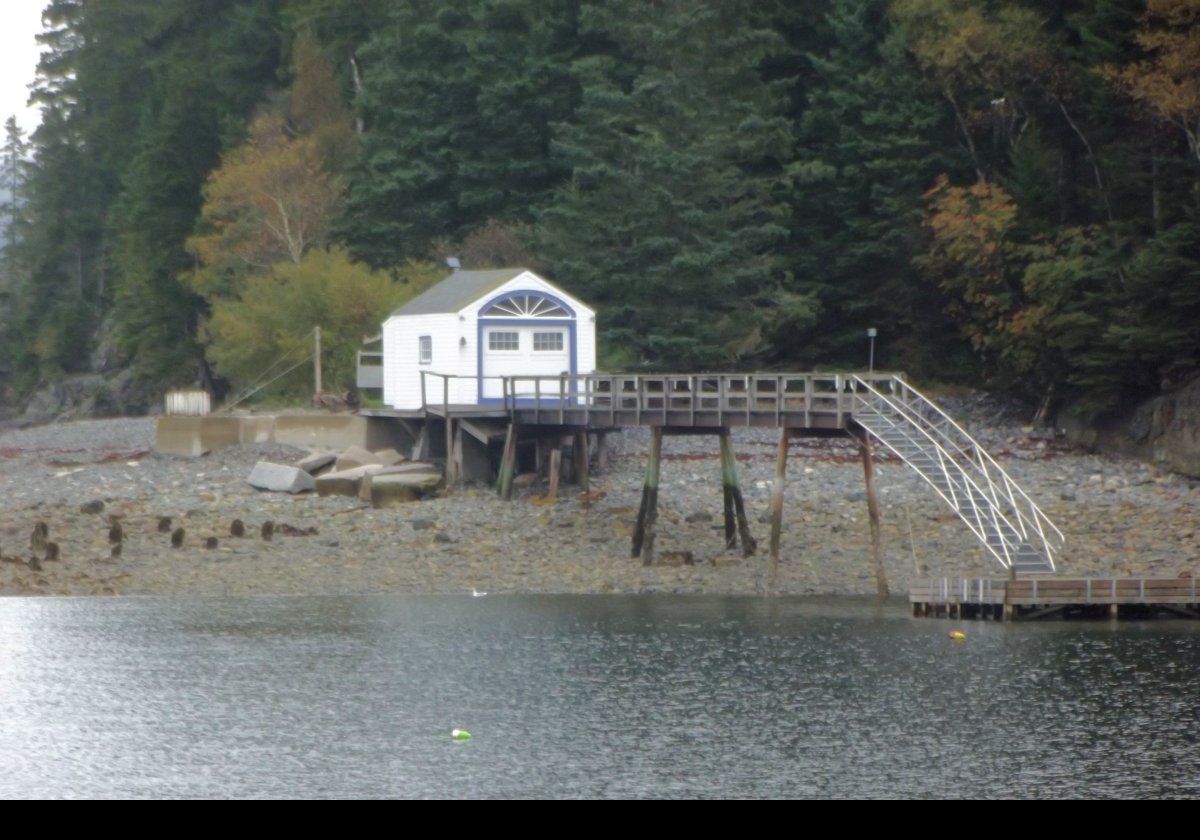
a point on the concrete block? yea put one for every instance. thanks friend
(388, 457)
(344, 482)
(399, 488)
(193, 436)
(355, 456)
(325, 431)
(256, 428)
(317, 463)
(280, 478)
(418, 475)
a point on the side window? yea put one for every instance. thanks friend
(547, 341)
(504, 340)
(425, 349)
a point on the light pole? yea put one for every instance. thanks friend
(871, 333)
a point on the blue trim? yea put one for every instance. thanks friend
(520, 322)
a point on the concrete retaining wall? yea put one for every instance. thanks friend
(193, 436)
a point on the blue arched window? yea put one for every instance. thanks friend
(526, 305)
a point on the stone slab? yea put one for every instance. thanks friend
(280, 478)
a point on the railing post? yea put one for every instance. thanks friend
(750, 396)
(424, 402)
(808, 400)
(537, 401)
(779, 384)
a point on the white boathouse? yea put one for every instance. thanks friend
(477, 327)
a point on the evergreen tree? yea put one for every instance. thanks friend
(458, 101)
(870, 141)
(673, 212)
(14, 165)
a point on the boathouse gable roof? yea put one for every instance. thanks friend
(458, 291)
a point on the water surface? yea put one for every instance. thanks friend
(603, 696)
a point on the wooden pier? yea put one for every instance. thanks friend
(1033, 598)
(880, 411)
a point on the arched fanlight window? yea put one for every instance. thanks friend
(526, 305)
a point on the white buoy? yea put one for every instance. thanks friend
(475, 593)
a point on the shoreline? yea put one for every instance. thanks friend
(1120, 517)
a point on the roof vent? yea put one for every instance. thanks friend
(454, 264)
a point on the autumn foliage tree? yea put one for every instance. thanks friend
(265, 267)
(274, 197)
(1167, 81)
(272, 316)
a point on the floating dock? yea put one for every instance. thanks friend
(1031, 598)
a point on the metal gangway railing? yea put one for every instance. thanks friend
(1000, 513)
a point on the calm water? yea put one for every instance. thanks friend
(579, 696)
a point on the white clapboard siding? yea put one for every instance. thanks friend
(188, 403)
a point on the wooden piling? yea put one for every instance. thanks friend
(555, 471)
(731, 528)
(582, 465)
(733, 492)
(508, 463)
(602, 451)
(451, 477)
(864, 448)
(777, 510)
(643, 531)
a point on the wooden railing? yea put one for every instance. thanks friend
(1052, 591)
(685, 399)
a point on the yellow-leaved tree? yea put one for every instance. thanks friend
(1167, 82)
(264, 263)
(273, 315)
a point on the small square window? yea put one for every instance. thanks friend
(425, 349)
(548, 341)
(504, 341)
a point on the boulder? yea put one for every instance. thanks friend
(384, 489)
(317, 463)
(1164, 430)
(280, 477)
(344, 482)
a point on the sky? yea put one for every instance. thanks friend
(20, 21)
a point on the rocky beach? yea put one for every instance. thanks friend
(1119, 516)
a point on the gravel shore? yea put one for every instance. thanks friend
(1120, 517)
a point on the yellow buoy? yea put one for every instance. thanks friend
(958, 635)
